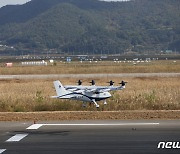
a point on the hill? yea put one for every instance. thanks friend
(91, 26)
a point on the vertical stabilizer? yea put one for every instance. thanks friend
(60, 90)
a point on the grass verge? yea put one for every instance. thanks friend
(140, 94)
(91, 68)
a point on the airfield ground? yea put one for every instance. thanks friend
(141, 93)
(35, 117)
(161, 66)
(89, 136)
(143, 98)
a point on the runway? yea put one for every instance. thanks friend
(79, 137)
(55, 76)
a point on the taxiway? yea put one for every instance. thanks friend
(54, 76)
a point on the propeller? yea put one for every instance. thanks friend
(92, 82)
(123, 83)
(111, 83)
(79, 82)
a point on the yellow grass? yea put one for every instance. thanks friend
(100, 67)
(140, 94)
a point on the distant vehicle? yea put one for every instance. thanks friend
(135, 59)
(91, 94)
(9, 64)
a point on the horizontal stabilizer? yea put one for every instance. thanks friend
(54, 96)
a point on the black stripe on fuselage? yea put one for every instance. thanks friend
(91, 98)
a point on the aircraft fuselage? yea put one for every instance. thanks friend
(86, 97)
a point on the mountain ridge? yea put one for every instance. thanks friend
(91, 26)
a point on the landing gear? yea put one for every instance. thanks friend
(97, 105)
(105, 103)
(84, 104)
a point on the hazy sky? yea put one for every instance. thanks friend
(114, 0)
(6, 2)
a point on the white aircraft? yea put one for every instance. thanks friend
(90, 94)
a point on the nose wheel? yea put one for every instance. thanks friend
(97, 105)
(84, 104)
(105, 103)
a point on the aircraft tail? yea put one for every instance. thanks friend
(60, 90)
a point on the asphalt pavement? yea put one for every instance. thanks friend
(56, 76)
(87, 137)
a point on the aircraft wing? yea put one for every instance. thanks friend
(94, 89)
(107, 89)
(101, 89)
(87, 88)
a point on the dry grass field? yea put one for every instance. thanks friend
(167, 66)
(140, 94)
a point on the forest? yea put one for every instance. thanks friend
(91, 26)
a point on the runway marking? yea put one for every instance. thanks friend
(2, 150)
(17, 138)
(37, 126)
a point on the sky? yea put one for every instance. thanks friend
(114, 0)
(10, 2)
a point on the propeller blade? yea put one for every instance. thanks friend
(79, 82)
(111, 83)
(92, 82)
(123, 83)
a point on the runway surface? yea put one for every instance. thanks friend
(80, 137)
(46, 76)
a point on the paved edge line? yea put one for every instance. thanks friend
(37, 126)
(2, 150)
(17, 138)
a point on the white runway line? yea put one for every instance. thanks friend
(17, 138)
(2, 150)
(37, 126)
